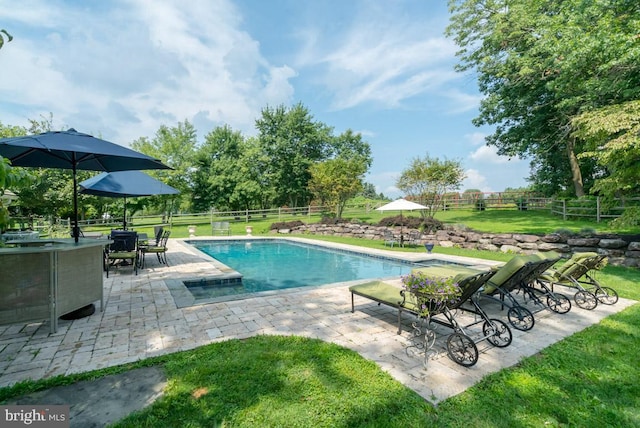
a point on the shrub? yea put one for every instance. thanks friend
(428, 224)
(333, 220)
(564, 232)
(286, 225)
(630, 218)
(522, 204)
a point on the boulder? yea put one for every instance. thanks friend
(634, 246)
(612, 243)
(552, 238)
(526, 238)
(549, 246)
(583, 242)
(510, 249)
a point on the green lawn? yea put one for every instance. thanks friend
(590, 379)
(492, 221)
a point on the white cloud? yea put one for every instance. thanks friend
(382, 58)
(136, 65)
(488, 154)
(476, 138)
(460, 102)
(475, 180)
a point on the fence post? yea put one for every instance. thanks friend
(564, 209)
(598, 209)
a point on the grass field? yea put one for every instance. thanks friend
(492, 221)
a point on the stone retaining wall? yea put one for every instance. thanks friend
(621, 249)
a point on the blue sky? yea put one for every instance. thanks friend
(119, 69)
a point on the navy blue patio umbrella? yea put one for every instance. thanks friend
(76, 151)
(125, 184)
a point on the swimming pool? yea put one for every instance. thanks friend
(270, 265)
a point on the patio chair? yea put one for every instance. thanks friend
(220, 228)
(123, 249)
(413, 238)
(157, 233)
(579, 273)
(160, 250)
(389, 238)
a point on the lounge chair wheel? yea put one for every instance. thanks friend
(497, 333)
(585, 300)
(607, 295)
(520, 318)
(559, 303)
(462, 350)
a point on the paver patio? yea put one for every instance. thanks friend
(141, 320)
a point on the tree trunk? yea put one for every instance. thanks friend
(576, 174)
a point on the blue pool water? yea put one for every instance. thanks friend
(276, 265)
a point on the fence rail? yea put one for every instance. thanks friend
(586, 208)
(592, 208)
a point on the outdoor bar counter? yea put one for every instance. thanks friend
(47, 278)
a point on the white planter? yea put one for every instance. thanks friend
(192, 231)
(249, 230)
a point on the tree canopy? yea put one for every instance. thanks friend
(541, 63)
(430, 179)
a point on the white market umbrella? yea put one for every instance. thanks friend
(401, 205)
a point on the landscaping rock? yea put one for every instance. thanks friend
(583, 242)
(552, 237)
(612, 243)
(526, 238)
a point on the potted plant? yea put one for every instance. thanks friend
(431, 294)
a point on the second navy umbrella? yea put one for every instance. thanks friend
(124, 184)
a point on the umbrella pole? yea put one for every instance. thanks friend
(124, 215)
(401, 232)
(76, 229)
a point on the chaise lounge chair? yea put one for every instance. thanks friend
(575, 274)
(520, 274)
(460, 346)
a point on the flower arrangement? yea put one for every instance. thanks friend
(431, 293)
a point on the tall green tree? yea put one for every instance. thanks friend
(350, 145)
(429, 179)
(228, 172)
(539, 64)
(175, 147)
(292, 141)
(335, 181)
(613, 137)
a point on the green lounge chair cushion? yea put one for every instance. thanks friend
(572, 268)
(506, 271)
(382, 292)
(459, 272)
(122, 255)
